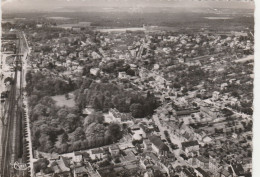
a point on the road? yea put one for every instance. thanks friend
(180, 161)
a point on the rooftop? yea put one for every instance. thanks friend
(189, 144)
(156, 140)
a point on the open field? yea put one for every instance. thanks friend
(62, 101)
(218, 18)
(58, 18)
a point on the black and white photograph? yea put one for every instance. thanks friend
(128, 88)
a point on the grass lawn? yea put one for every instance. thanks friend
(62, 101)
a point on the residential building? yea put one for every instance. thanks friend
(114, 150)
(61, 167)
(158, 145)
(187, 173)
(202, 162)
(190, 147)
(80, 171)
(96, 154)
(201, 173)
(77, 157)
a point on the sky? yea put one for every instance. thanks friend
(51, 5)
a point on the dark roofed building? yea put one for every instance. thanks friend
(184, 113)
(187, 173)
(237, 169)
(201, 173)
(202, 162)
(224, 173)
(190, 146)
(158, 145)
(9, 36)
(80, 172)
(61, 166)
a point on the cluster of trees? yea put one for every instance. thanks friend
(117, 66)
(61, 130)
(103, 96)
(42, 164)
(44, 85)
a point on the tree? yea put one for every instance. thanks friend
(136, 110)
(64, 148)
(79, 134)
(117, 160)
(114, 131)
(64, 138)
(94, 117)
(67, 96)
(40, 164)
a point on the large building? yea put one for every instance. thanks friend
(158, 145)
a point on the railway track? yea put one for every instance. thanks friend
(14, 132)
(7, 132)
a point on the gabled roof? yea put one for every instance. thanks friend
(97, 151)
(224, 172)
(189, 144)
(158, 143)
(188, 173)
(201, 171)
(203, 159)
(114, 147)
(238, 169)
(80, 170)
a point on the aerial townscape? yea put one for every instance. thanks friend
(149, 91)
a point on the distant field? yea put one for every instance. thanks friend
(218, 18)
(62, 101)
(58, 18)
(120, 29)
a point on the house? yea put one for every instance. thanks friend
(61, 167)
(146, 163)
(236, 169)
(222, 172)
(96, 154)
(41, 174)
(206, 139)
(149, 173)
(201, 173)
(207, 110)
(147, 144)
(223, 86)
(77, 157)
(187, 173)
(137, 132)
(88, 110)
(190, 147)
(95, 55)
(91, 171)
(215, 95)
(114, 150)
(185, 113)
(213, 165)
(80, 172)
(203, 91)
(122, 75)
(202, 162)
(158, 145)
(94, 71)
(115, 115)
